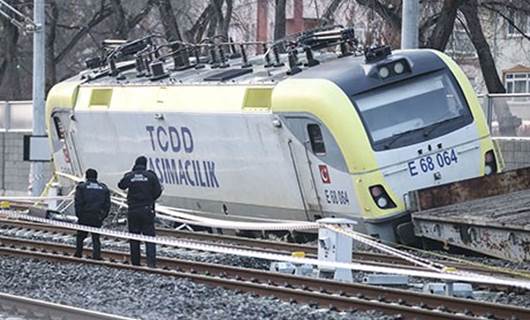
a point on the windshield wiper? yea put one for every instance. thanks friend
(433, 127)
(427, 131)
(397, 136)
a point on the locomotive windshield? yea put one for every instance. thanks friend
(412, 111)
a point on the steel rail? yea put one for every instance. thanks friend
(40, 309)
(277, 247)
(343, 296)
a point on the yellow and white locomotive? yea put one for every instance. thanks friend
(295, 136)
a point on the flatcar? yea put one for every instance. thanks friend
(301, 131)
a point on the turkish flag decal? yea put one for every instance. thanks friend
(324, 173)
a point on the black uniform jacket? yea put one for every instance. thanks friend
(144, 187)
(92, 202)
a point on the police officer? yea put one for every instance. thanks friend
(143, 190)
(92, 205)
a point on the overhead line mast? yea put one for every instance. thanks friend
(37, 27)
(409, 27)
(37, 178)
(16, 17)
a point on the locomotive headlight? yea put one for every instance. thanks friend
(490, 163)
(381, 198)
(384, 72)
(489, 157)
(382, 202)
(376, 191)
(399, 67)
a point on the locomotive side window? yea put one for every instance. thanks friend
(316, 139)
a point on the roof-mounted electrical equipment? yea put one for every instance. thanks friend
(311, 61)
(327, 38)
(93, 63)
(375, 54)
(293, 62)
(228, 74)
(244, 57)
(132, 47)
(155, 58)
(157, 71)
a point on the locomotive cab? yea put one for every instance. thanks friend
(414, 122)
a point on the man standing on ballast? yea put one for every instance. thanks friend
(92, 205)
(143, 190)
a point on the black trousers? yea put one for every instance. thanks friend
(142, 221)
(96, 244)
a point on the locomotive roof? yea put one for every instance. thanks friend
(349, 72)
(312, 55)
(257, 73)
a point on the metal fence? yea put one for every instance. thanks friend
(15, 116)
(508, 115)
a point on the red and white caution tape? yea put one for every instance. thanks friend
(448, 276)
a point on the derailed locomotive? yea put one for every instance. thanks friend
(301, 135)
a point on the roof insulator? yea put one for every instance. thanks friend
(222, 58)
(276, 52)
(268, 62)
(244, 57)
(344, 52)
(293, 63)
(113, 69)
(140, 67)
(198, 64)
(234, 54)
(311, 61)
(181, 59)
(213, 58)
(157, 70)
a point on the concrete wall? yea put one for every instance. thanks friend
(14, 172)
(516, 152)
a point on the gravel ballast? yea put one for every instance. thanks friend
(147, 296)
(521, 299)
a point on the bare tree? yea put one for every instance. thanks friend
(507, 122)
(52, 18)
(389, 11)
(10, 88)
(279, 20)
(120, 19)
(227, 18)
(125, 22)
(82, 30)
(329, 13)
(444, 25)
(169, 20)
(503, 9)
(487, 64)
(196, 32)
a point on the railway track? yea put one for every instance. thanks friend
(272, 247)
(38, 309)
(326, 293)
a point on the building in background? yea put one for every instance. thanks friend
(510, 50)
